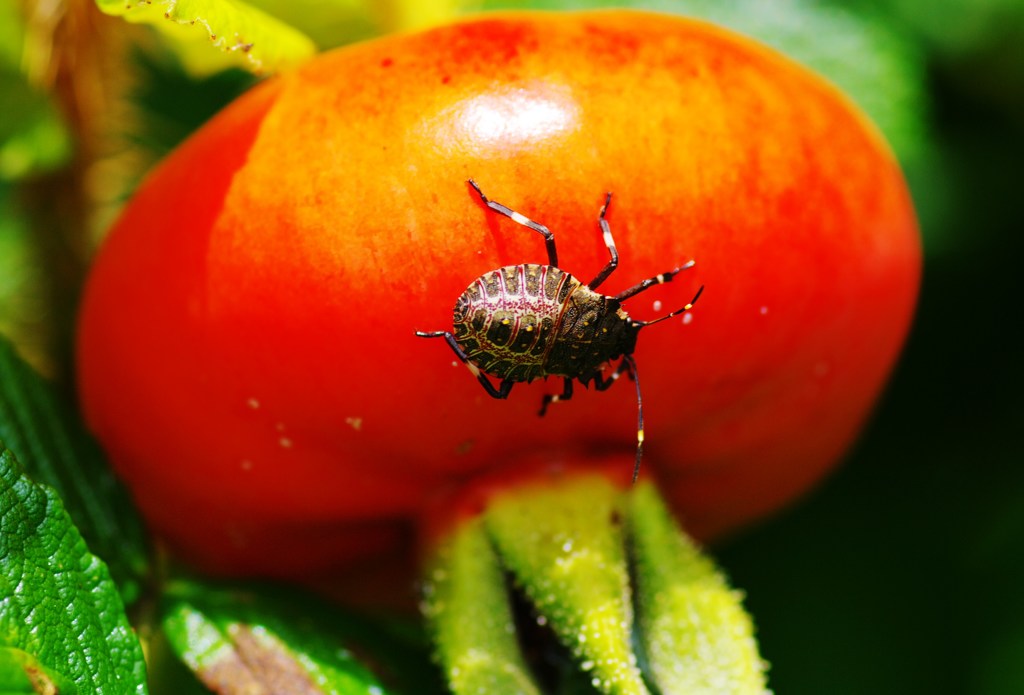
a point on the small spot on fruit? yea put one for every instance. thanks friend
(355, 423)
(687, 318)
(285, 443)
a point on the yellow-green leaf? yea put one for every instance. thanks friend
(258, 41)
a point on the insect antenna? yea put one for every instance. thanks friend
(651, 282)
(680, 310)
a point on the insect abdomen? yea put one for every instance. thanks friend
(506, 319)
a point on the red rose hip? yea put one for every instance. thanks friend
(247, 350)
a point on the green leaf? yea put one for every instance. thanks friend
(22, 673)
(242, 641)
(46, 434)
(564, 545)
(57, 601)
(249, 36)
(466, 603)
(957, 28)
(697, 638)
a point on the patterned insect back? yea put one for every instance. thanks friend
(524, 322)
(507, 319)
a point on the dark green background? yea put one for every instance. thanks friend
(904, 572)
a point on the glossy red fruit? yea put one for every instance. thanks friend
(247, 351)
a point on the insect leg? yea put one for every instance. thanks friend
(601, 383)
(651, 282)
(503, 389)
(552, 398)
(549, 237)
(639, 415)
(606, 232)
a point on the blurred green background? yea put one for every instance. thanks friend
(903, 572)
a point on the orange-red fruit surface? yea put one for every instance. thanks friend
(247, 352)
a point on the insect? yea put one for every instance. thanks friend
(528, 321)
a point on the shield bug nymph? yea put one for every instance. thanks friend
(523, 322)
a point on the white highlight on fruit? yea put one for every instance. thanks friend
(514, 116)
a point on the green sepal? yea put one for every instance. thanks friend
(248, 35)
(564, 545)
(247, 639)
(572, 546)
(58, 603)
(467, 606)
(46, 435)
(696, 636)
